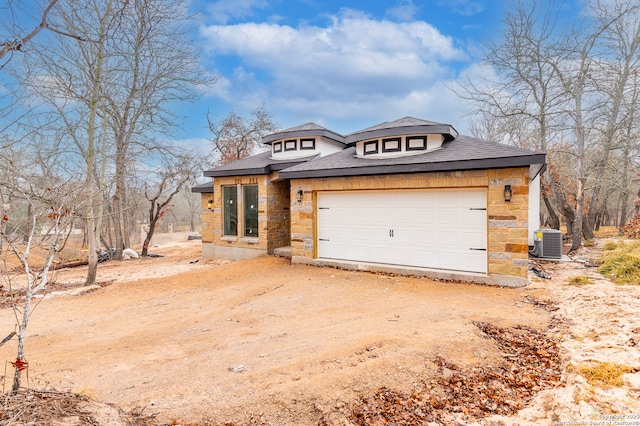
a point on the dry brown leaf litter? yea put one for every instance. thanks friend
(531, 363)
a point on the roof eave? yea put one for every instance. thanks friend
(475, 164)
(443, 129)
(269, 139)
(273, 167)
(237, 172)
(202, 189)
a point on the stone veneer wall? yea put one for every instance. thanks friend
(508, 222)
(279, 217)
(273, 218)
(206, 216)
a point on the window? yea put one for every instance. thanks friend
(277, 147)
(416, 143)
(391, 145)
(307, 144)
(250, 210)
(370, 147)
(230, 213)
(291, 145)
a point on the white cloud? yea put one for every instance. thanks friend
(464, 7)
(222, 11)
(354, 68)
(404, 11)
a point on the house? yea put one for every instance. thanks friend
(407, 196)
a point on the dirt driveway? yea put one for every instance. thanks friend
(256, 340)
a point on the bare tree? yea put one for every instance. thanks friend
(14, 40)
(50, 217)
(524, 99)
(236, 137)
(553, 79)
(171, 177)
(113, 94)
(159, 67)
(617, 81)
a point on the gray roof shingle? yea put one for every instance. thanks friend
(403, 126)
(259, 164)
(458, 152)
(463, 153)
(308, 129)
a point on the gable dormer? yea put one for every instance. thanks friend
(303, 141)
(403, 137)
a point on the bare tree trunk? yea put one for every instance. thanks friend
(554, 219)
(148, 237)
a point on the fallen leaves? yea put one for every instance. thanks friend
(531, 363)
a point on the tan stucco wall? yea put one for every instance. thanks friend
(507, 222)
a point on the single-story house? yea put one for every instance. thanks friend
(408, 196)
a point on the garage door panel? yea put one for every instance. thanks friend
(425, 228)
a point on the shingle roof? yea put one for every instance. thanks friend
(259, 164)
(403, 126)
(308, 129)
(458, 152)
(463, 153)
(203, 188)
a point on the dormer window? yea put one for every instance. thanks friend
(291, 145)
(399, 146)
(416, 143)
(304, 141)
(370, 147)
(308, 144)
(391, 145)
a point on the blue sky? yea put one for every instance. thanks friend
(345, 65)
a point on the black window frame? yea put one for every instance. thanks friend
(370, 143)
(250, 215)
(313, 144)
(397, 149)
(229, 211)
(408, 140)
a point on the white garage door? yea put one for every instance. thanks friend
(443, 229)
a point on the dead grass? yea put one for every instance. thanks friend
(607, 232)
(610, 245)
(622, 263)
(603, 374)
(579, 281)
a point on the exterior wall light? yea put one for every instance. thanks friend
(507, 193)
(299, 196)
(210, 204)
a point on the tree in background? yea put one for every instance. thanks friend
(569, 91)
(235, 137)
(167, 181)
(109, 98)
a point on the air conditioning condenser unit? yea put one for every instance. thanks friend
(547, 243)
